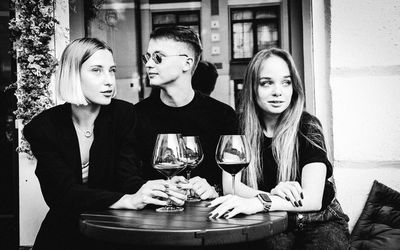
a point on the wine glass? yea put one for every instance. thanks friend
(194, 154)
(233, 155)
(169, 158)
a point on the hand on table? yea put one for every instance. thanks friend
(202, 188)
(231, 205)
(157, 192)
(176, 192)
(291, 191)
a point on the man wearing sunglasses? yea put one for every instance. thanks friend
(171, 59)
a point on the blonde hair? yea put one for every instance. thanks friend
(68, 80)
(285, 145)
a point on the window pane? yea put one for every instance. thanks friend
(242, 40)
(116, 26)
(242, 14)
(164, 19)
(266, 13)
(188, 18)
(267, 36)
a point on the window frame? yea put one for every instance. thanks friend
(177, 13)
(254, 23)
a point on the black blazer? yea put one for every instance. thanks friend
(113, 168)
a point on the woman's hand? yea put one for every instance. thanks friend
(231, 205)
(152, 192)
(155, 192)
(202, 188)
(177, 193)
(291, 191)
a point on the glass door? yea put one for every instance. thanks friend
(116, 22)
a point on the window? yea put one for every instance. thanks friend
(115, 22)
(190, 19)
(254, 29)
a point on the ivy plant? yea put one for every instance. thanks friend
(31, 31)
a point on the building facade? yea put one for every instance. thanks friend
(347, 52)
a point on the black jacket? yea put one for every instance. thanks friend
(113, 168)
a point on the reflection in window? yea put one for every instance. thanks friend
(190, 19)
(114, 22)
(242, 40)
(242, 14)
(254, 29)
(164, 19)
(267, 36)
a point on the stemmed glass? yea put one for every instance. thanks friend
(194, 154)
(233, 155)
(169, 158)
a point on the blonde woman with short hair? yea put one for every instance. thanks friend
(83, 148)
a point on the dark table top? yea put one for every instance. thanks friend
(191, 227)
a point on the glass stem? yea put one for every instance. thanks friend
(188, 174)
(191, 193)
(169, 205)
(233, 184)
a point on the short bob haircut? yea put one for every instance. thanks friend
(68, 80)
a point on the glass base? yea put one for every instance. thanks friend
(169, 209)
(193, 199)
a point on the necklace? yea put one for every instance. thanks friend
(86, 132)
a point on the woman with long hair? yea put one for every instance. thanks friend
(289, 169)
(84, 149)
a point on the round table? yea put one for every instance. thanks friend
(191, 227)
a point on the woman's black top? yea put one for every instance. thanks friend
(113, 168)
(308, 153)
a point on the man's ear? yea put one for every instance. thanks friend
(188, 65)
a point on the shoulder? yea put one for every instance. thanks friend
(49, 116)
(145, 103)
(309, 124)
(310, 131)
(214, 104)
(120, 106)
(121, 113)
(47, 122)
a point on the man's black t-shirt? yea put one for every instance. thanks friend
(308, 153)
(203, 116)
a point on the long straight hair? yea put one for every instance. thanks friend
(284, 142)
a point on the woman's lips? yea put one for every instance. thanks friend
(107, 93)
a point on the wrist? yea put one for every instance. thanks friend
(265, 201)
(257, 205)
(121, 203)
(134, 202)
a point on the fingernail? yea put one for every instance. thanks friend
(301, 195)
(300, 203)
(295, 203)
(287, 198)
(226, 215)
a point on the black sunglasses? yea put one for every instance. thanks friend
(157, 57)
